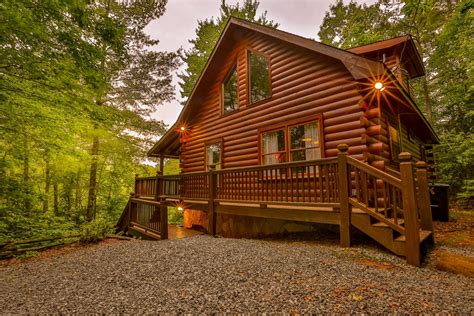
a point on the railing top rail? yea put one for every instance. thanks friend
(146, 178)
(322, 161)
(375, 172)
(170, 176)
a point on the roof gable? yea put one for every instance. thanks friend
(359, 67)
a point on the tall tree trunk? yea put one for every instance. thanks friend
(26, 175)
(91, 199)
(56, 198)
(78, 192)
(47, 184)
(427, 101)
(68, 190)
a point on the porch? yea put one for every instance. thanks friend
(394, 211)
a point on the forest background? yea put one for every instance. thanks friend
(79, 81)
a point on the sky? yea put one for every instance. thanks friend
(177, 26)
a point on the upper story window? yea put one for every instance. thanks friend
(229, 91)
(259, 77)
(303, 143)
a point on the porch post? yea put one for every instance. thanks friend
(345, 207)
(424, 197)
(159, 196)
(410, 212)
(136, 189)
(212, 195)
(162, 164)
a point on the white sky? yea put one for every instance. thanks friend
(177, 26)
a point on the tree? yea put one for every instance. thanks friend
(354, 24)
(71, 72)
(207, 34)
(453, 84)
(136, 78)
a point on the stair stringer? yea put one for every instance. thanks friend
(382, 235)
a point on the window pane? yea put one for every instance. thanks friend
(273, 142)
(302, 136)
(259, 77)
(214, 155)
(230, 92)
(274, 158)
(299, 155)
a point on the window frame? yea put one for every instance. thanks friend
(286, 127)
(210, 143)
(390, 138)
(269, 62)
(235, 66)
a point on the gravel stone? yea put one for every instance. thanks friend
(203, 274)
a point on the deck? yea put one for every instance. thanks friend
(395, 211)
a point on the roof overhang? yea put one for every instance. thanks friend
(403, 45)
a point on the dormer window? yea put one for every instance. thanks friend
(259, 77)
(230, 100)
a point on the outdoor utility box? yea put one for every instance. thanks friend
(439, 202)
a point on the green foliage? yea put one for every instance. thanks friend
(96, 230)
(175, 217)
(15, 226)
(207, 34)
(171, 167)
(27, 255)
(71, 73)
(354, 24)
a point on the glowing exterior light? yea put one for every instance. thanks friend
(379, 86)
(182, 128)
(180, 208)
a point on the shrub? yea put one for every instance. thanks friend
(96, 230)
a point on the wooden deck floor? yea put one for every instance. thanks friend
(179, 232)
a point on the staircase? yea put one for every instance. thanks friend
(144, 218)
(385, 235)
(394, 211)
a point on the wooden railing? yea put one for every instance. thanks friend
(149, 216)
(376, 193)
(303, 182)
(344, 182)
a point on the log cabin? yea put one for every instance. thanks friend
(281, 132)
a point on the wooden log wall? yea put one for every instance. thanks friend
(303, 84)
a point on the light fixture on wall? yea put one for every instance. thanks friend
(379, 85)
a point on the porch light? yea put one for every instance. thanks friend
(379, 86)
(182, 128)
(180, 208)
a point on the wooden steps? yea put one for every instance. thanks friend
(383, 233)
(424, 234)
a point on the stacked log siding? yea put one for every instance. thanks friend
(304, 83)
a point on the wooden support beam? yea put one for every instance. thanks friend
(163, 221)
(410, 212)
(345, 207)
(424, 198)
(212, 195)
(325, 217)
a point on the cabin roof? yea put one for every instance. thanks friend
(358, 65)
(404, 45)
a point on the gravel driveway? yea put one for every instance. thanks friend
(205, 274)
